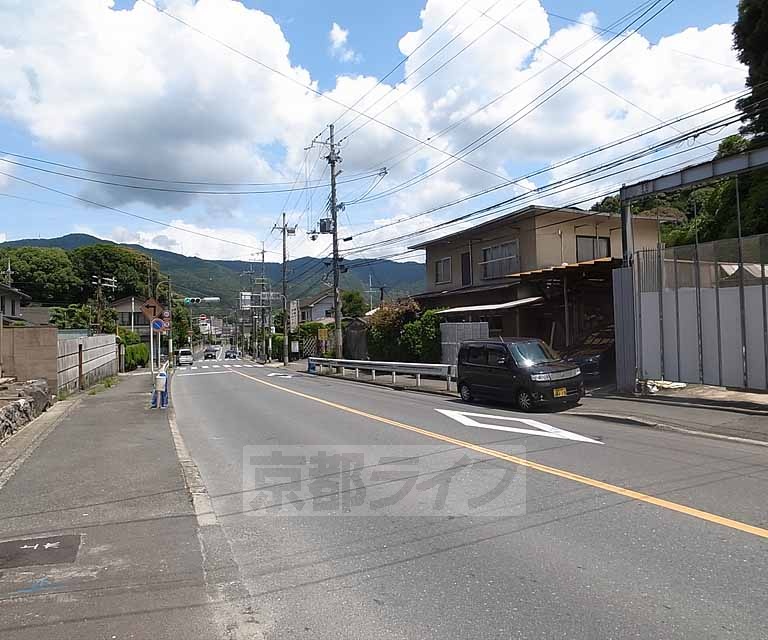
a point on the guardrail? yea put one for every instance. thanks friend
(446, 371)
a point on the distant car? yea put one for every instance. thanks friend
(524, 370)
(231, 354)
(210, 353)
(595, 355)
(185, 357)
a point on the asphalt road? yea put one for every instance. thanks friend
(440, 525)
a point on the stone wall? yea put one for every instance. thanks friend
(20, 403)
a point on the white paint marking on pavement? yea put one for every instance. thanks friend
(201, 373)
(215, 366)
(539, 428)
(278, 375)
(259, 365)
(237, 366)
(201, 501)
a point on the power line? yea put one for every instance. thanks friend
(434, 71)
(167, 189)
(510, 121)
(306, 87)
(144, 178)
(562, 185)
(125, 213)
(581, 156)
(408, 153)
(403, 61)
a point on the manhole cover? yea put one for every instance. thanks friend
(34, 551)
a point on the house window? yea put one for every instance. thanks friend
(591, 247)
(500, 260)
(442, 270)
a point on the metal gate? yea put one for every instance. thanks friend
(452, 334)
(701, 313)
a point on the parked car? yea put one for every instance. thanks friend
(210, 353)
(525, 370)
(595, 355)
(185, 357)
(230, 354)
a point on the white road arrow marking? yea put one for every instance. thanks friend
(538, 428)
(278, 375)
(51, 545)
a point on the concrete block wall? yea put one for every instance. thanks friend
(30, 353)
(99, 361)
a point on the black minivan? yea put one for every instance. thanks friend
(525, 370)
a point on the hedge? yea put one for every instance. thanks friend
(136, 355)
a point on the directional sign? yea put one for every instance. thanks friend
(535, 428)
(158, 324)
(151, 309)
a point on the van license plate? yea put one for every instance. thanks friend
(561, 392)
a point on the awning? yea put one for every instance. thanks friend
(493, 307)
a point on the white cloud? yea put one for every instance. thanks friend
(152, 97)
(338, 37)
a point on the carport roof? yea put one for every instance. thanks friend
(493, 307)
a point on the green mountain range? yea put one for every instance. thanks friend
(224, 278)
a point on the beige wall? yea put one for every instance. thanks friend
(475, 247)
(540, 244)
(30, 353)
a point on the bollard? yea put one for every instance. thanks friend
(448, 382)
(373, 375)
(357, 372)
(343, 372)
(394, 377)
(418, 379)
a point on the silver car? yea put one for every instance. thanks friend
(185, 357)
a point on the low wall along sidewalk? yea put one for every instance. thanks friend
(93, 358)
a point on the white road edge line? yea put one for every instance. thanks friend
(201, 501)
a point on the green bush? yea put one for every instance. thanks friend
(277, 345)
(420, 339)
(136, 355)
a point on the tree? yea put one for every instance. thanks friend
(731, 145)
(83, 316)
(45, 274)
(750, 35)
(129, 267)
(352, 304)
(386, 329)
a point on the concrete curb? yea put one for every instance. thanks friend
(661, 400)
(595, 415)
(660, 426)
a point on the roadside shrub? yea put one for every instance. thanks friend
(136, 355)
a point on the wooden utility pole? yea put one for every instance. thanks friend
(286, 231)
(333, 158)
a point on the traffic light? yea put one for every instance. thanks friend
(191, 300)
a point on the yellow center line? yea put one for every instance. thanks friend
(553, 471)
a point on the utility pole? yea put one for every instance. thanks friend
(262, 308)
(99, 283)
(287, 231)
(333, 159)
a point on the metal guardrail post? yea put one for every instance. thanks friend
(373, 375)
(418, 379)
(394, 377)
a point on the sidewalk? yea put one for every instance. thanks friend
(711, 412)
(109, 536)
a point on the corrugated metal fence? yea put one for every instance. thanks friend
(702, 313)
(452, 334)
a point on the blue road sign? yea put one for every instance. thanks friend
(157, 324)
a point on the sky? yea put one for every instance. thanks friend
(122, 93)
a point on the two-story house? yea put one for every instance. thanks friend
(130, 316)
(318, 308)
(539, 271)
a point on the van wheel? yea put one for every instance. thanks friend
(465, 392)
(525, 400)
